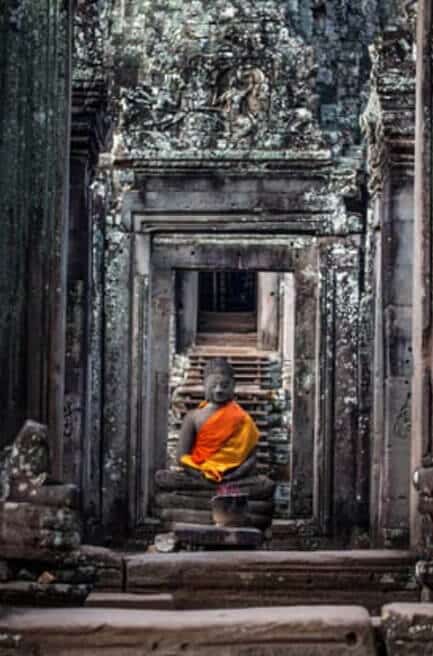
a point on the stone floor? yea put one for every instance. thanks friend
(234, 603)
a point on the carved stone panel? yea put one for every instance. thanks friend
(220, 75)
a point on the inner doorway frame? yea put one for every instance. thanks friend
(267, 312)
(320, 456)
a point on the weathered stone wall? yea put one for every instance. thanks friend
(35, 64)
(329, 42)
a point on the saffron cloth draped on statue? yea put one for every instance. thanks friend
(224, 441)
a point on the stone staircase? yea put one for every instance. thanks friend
(257, 376)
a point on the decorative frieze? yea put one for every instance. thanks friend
(220, 76)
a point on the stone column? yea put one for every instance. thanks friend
(268, 322)
(389, 122)
(422, 401)
(35, 59)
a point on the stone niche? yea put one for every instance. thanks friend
(297, 216)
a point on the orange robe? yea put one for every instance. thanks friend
(224, 441)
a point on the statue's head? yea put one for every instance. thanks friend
(219, 381)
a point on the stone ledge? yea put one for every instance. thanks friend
(239, 578)
(132, 601)
(319, 631)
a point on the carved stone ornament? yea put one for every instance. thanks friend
(24, 465)
(221, 75)
(388, 120)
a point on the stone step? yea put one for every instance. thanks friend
(222, 338)
(238, 363)
(248, 394)
(212, 537)
(127, 600)
(217, 579)
(260, 423)
(316, 631)
(252, 377)
(227, 322)
(204, 517)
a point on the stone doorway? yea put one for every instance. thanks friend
(236, 308)
(321, 444)
(154, 261)
(227, 306)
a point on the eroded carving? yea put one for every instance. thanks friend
(222, 75)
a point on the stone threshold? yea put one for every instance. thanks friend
(326, 630)
(222, 579)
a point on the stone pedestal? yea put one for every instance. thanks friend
(182, 498)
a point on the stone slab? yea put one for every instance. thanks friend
(214, 536)
(242, 578)
(5, 571)
(31, 516)
(319, 631)
(108, 564)
(59, 496)
(133, 601)
(40, 594)
(257, 487)
(176, 501)
(408, 629)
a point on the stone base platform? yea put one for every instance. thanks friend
(319, 631)
(197, 537)
(113, 625)
(223, 579)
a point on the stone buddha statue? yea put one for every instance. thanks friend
(218, 439)
(216, 451)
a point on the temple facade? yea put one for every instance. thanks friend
(254, 193)
(240, 178)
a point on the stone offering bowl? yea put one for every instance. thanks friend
(230, 510)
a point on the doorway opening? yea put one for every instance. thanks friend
(227, 304)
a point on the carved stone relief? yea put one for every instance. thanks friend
(221, 75)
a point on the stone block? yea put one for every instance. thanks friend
(312, 631)
(43, 594)
(247, 578)
(408, 629)
(193, 502)
(213, 536)
(108, 565)
(132, 601)
(38, 517)
(61, 496)
(396, 482)
(257, 487)
(398, 342)
(16, 541)
(5, 571)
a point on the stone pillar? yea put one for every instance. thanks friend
(389, 122)
(422, 401)
(268, 306)
(35, 85)
(187, 290)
